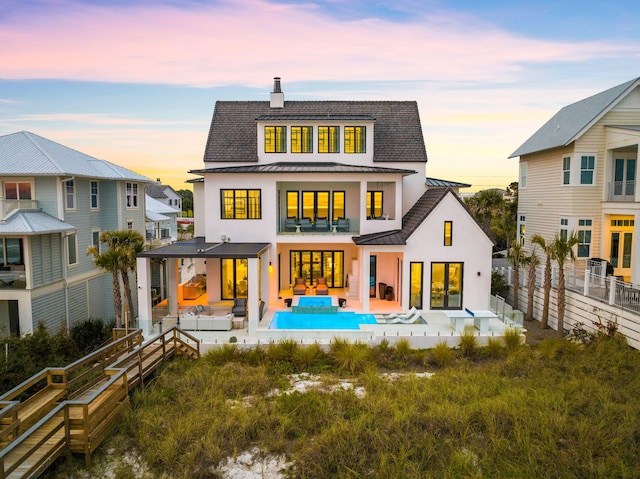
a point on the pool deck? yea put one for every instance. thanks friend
(438, 328)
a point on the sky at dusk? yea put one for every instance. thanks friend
(135, 81)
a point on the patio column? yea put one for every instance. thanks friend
(172, 285)
(365, 274)
(253, 314)
(635, 255)
(145, 310)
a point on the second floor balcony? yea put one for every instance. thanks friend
(13, 277)
(624, 191)
(8, 206)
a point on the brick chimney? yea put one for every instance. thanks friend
(277, 97)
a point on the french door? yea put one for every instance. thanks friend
(312, 265)
(446, 285)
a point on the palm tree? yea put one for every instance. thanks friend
(562, 248)
(517, 258)
(546, 248)
(129, 243)
(534, 261)
(110, 262)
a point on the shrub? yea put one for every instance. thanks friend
(89, 335)
(306, 357)
(498, 284)
(494, 348)
(468, 343)
(442, 355)
(512, 339)
(352, 357)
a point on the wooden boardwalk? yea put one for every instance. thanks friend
(71, 410)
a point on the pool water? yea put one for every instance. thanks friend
(314, 301)
(346, 320)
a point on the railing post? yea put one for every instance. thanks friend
(587, 280)
(612, 289)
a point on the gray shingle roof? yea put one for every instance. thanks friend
(24, 153)
(571, 121)
(398, 133)
(285, 167)
(392, 237)
(32, 222)
(155, 191)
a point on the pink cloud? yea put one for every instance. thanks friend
(248, 41)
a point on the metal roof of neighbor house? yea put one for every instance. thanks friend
(154, 206)
(33, 222)
(24, 153)
(198, 248)
(435, 182)
(284, 167)
(571, 121)
(398, 133)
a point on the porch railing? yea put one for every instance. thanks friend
(7, 206)
(621, 191)
(590, 281)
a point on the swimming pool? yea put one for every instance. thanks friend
(346, 320)
(315, 301)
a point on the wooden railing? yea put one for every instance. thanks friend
(35, 427)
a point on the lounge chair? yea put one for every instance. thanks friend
(406, 315)
(306, 225)
(343, 224)
(239, 307)
(290, 223)
(321, 287)
(322, 224)
(408, 320)
(300, 287)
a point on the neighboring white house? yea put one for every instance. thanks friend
(578, 173)
(54, 204)
(331, 189)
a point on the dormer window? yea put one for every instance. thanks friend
(329, 139)
(275, 139)
(301, 139)
(354, 139)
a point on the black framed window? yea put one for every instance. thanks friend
(301, 139)
(355, 139)
(374, 204)
(241, 204)
(275, 139)
(329, 139)
(448, 233)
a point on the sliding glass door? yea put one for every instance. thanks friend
(312, 265)
(446, 285)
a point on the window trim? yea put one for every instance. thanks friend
(522, 175)
(302, 145)
(72, 238)
(587, 170)
(234, 198)
(17, 183)
(581, 232)
(132, 193)
(566, 170)
(94, 195)
(276, 140)
(357, 132)
(370, 203)
(69, 195)
(325, 136)
(448, 233)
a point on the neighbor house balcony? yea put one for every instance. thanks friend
(13, 277)
(623, 191)
(158, 237)
(8, 206)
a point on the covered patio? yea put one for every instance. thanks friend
(209, 258)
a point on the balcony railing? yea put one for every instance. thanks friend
(7, 206)
(13, 278)
(621, 191)
(345, 226)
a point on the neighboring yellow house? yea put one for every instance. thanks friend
(578, 173)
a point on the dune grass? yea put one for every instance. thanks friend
(559, 411)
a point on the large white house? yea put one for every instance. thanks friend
(54, 203)
(578, 173)
(326, 189)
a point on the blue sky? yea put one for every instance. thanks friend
(135, 82)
